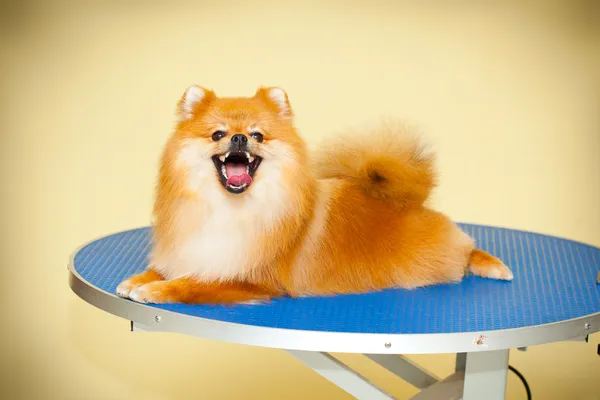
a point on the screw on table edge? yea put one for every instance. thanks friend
(157, 319)
(387, 345)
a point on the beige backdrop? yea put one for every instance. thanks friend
(506, 95)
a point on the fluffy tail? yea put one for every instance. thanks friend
(388, 163)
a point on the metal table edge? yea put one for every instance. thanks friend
(159, 320)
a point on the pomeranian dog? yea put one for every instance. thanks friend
(244, 214)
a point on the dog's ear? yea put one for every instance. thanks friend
(193, 101)
(277, 100)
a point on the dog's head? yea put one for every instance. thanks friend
(243, 139)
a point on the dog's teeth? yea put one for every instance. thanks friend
(222, 158)
(224, 171)
(239, 187)
(247, 155)
(227, 155)
(250, 158)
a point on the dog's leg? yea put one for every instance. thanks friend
(487, 266)
(189, 291)
(125, 287)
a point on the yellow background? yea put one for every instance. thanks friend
(506, 95)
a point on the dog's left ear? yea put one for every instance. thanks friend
(277, 99)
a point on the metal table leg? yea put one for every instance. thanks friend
(405, 369)
(485, 375)
(335, 371)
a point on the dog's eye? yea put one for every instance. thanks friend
(218, 135)
(257, 136)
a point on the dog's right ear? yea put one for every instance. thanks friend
(193, 101)
(277, 100)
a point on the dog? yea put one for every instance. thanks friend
(245, 213)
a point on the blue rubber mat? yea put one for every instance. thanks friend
(555, 280)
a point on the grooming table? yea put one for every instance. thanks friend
(554, 297)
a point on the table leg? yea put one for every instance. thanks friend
(485, 375)
(338, 373)
(450, 388)
(405, 369)
(461, 362)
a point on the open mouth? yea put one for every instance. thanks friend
(236, 169)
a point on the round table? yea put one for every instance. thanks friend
(555, 296)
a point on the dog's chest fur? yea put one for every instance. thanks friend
(220, 231)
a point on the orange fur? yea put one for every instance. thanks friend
(352, 220)
(388, 163)
(374, 246)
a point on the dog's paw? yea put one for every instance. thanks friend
(129, 285)
(152, 292)
(493, 271)
(501, 272)
(125, 288)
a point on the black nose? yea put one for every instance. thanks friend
(239, 139)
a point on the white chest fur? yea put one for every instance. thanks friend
(217, 247)
(220, 230)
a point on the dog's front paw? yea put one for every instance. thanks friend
(126, 287)
(153, 292)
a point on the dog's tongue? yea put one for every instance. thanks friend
(237, 174)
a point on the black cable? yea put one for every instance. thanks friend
(513, 369)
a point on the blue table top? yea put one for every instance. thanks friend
(555, 280)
